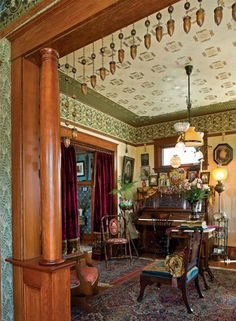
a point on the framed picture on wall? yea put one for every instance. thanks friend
(144, 159)
(192, 175)
(80, 166)
(223, 154)
(153, 180)
(205, 177)
(128, 169)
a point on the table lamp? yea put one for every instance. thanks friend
(220, 174)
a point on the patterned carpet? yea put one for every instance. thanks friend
(119, 303)
(120, 270)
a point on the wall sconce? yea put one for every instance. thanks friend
(220, 174)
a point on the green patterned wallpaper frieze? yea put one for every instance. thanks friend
(96, 120)
(108, 125)
(10, 10)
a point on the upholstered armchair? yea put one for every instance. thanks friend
(84, 279)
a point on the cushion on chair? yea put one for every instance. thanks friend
(174, 264)
(157, 268)
(89, 273)
(117, 241)
(74, 282)
(191, 273)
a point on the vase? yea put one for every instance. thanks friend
(195, 210)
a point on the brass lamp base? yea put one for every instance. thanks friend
(219, 187)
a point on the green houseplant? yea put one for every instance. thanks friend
(125, 192)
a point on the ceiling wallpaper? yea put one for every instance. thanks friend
(155, 83)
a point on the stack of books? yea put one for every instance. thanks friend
(193, 225)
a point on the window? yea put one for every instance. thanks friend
(187, 157)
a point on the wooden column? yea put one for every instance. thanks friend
(50, 158)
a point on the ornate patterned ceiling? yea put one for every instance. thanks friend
(155, 83)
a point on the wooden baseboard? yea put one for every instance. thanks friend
(232, 252)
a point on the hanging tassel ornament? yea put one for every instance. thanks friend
(133, 48)
(218, 13)
(66, 105)
(121, 52)
(234, 11)
(93, 78)
(84, 87)
(147, 37)
(159, 29)
(102, 70)
(112, 63)
(171, 22)
(200, 14)
(74, 132)
(187, 18)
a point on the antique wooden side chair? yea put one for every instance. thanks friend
(168, 271)
(115, 237)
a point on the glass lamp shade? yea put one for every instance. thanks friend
(175, 161)
(180, 146)
(192, 138)
(181, 127)
(199, 155)
(220, 173)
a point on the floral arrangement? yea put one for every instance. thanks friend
(194, 191)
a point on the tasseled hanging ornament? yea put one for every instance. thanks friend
(133, 47)
(170, 22)
(112, 63)
(234, 11)
(200, 14)
(102, 70)
(93, 78)
(147, 36)
(187, 18)
(84, 87)
(66, 105)
(218, 13)
(159, 29)
(121, 52)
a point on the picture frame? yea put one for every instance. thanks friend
(145, 159)
(192, 174)
(153, 180)
(163, 175)
(223, 154)
(144, 172)
(80, 167)
(128, 169)
(205, 177)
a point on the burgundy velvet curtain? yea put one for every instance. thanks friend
(70, 221)
(104, 183)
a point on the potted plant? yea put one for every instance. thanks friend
(125, 192)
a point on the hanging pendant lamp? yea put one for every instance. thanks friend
(191, 138)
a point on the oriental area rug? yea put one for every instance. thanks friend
(119, 303)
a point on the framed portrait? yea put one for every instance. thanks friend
(145, 172)
(144, 159)
(205, 177)
(223, 154)
(192, 175)
(80, 166)
(153, 180)
(128, 169)
(163, 175)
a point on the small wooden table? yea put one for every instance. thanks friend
(204, 264)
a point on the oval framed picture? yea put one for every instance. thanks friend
(223, 154)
